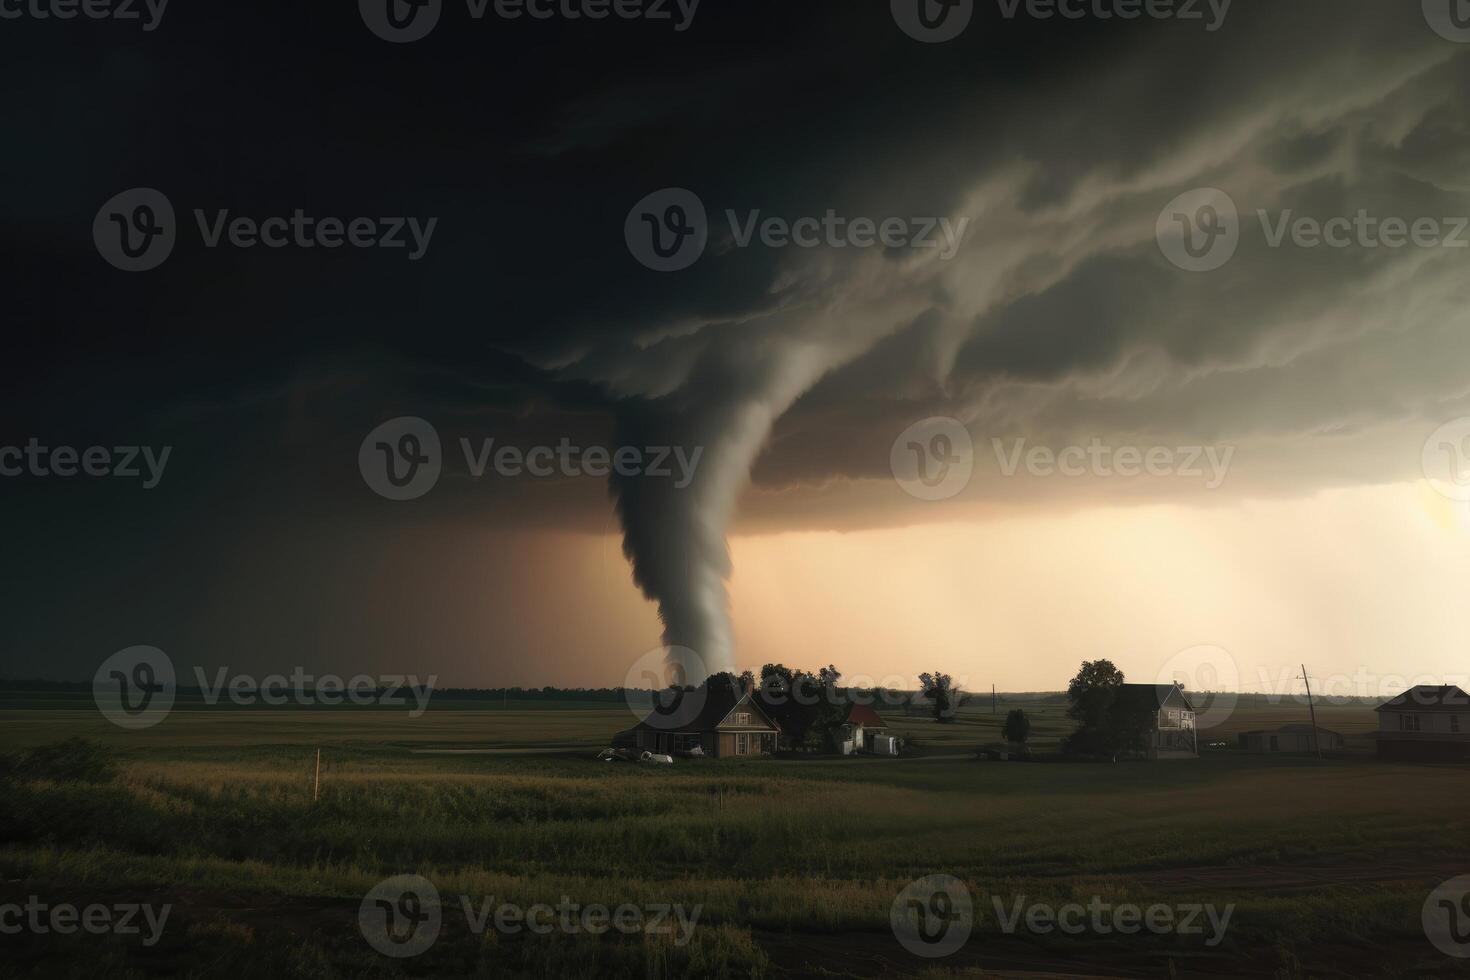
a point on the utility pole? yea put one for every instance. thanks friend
(1316, 745)
(992, 699)
(316, 786)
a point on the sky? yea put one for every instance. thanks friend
(1161, 358)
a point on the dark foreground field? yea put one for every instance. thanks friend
(794, 865)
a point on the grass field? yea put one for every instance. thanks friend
(795, 864)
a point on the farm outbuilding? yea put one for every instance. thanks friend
(865, 731)
(1291, 739)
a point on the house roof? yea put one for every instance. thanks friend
(863, 714)
(719, 701)
(1155, 695)
(1429, 697)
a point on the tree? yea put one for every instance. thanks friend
(1107, 722)
(808, 705)
(1017, 727)
(776, 679)
(723, 679)
(939, 688)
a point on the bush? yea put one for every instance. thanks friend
(1017, 727)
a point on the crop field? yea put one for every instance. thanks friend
(781, 867)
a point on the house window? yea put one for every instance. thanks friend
(1454, 723)
(742, 744)
(742, 718)
(1274, 743)
(1409, 723)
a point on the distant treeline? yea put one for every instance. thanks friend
(446, 693)
(973, 700)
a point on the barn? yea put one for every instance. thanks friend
(730, 723)
(1425, 722)
(1291, 738)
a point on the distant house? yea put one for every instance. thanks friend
(1291, 738)
(1425, 722)
(730, 722)
(1173, 735)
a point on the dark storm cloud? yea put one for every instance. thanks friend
(529, 320)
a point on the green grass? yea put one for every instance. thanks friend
(217, 807)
